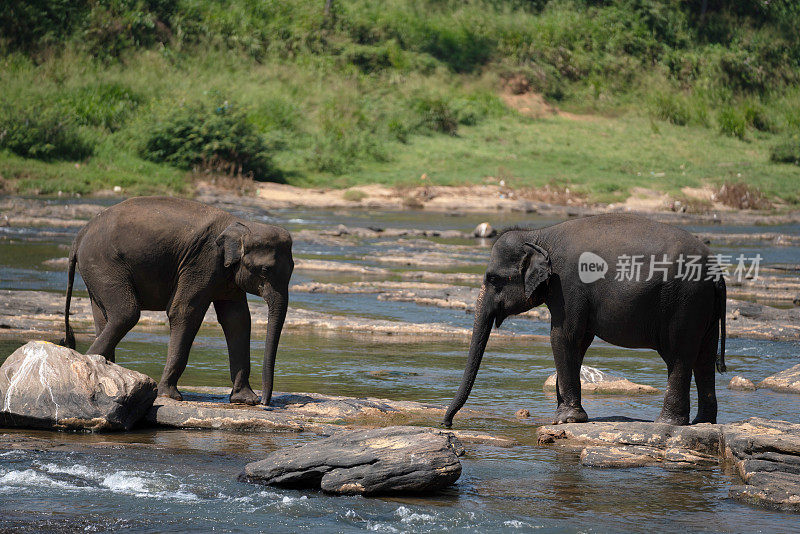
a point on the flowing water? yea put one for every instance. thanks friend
(176, 481)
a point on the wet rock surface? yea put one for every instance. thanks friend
(740, 383)
(595, 381)
(43, 385)
(787, 381)
(208, 407)
(766, 453)
(767, 456)
(380, 461)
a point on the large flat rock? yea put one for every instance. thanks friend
(787, 381)
(595, 381)
(208, 407)
(397, 459)
(48, 386)
(766, 453)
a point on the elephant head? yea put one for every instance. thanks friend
(515, 281)
(261, 256)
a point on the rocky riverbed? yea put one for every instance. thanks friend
(765, 453)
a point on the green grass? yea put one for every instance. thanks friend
(382, 93)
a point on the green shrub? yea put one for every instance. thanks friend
(349, 134)
(787, 151)
(757, 116)
(107, 105)
(732, 122)
(671, 108)
(43, 134)
(218, 139)
(436, 115)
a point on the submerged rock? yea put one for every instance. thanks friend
(387, 460)
(787, 381)
(740, 383)
(602, 383)
(48, 386)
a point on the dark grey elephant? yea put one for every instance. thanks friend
(160, 253)
(562, 266)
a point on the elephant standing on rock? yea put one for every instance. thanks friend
(566, 266)
(160, 253)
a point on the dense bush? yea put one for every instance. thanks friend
(42, 134)
(217, 139)
(787, 151)
(107, 105)
(732, 122)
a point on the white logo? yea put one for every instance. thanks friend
(591, 267)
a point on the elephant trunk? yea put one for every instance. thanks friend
(278, 302)
(484, 315)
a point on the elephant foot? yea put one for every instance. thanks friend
(705, 418)
(169, 391)
(244, 396)
(671, 419)
(570, 414)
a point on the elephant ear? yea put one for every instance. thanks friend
(538, 268)
(231, 240)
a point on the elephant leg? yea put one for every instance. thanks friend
(112, 325)
(234, 317)
(675, 410)
(99, 317)
(704, 379)
(568, 355)
(184, 322)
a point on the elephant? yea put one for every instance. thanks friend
(565, 267)
(180, 256)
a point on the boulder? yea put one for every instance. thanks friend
(396, 459)
(740, 383)
(484, 230)
(602, 383)
(48, 386)
(787, 381)
(766, 454)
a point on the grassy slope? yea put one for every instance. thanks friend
(314, 109)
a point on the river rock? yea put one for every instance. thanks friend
(787, 381)
(766, 454)
(740, 383)
(397, 459)
(601, 383)
(629, 443)
(48, 386)
(484, 230)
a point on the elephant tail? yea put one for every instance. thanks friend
(722, 299)
(69, 335)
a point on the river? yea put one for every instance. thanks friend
(180, 481)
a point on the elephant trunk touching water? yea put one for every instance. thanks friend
(278, 302)
(683, 318)
(477, 346)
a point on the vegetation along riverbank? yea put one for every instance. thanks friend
(569, 100)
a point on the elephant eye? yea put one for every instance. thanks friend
(494, 279)
(264, 271)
